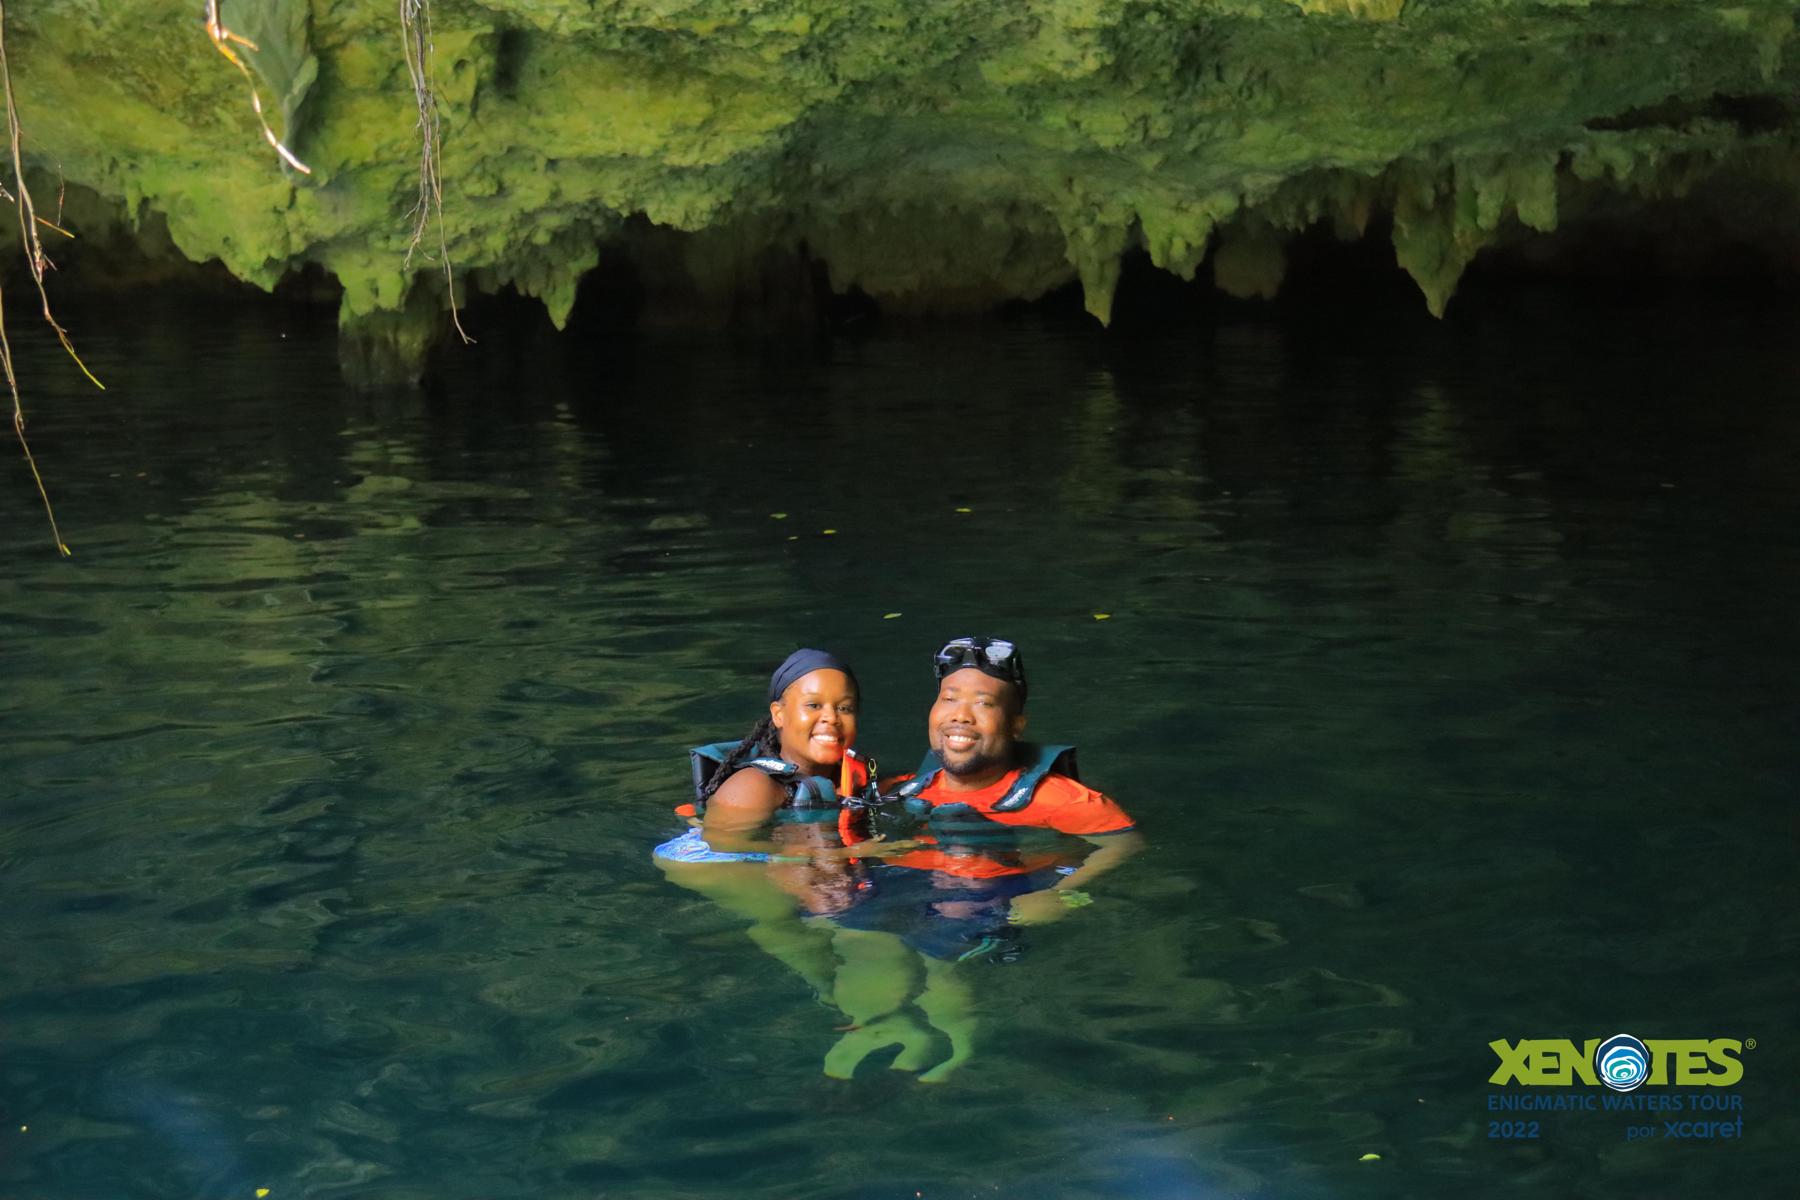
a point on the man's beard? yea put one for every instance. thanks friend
(975, 764)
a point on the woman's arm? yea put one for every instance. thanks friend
(738, 815)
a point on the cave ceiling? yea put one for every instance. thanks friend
(938, 155)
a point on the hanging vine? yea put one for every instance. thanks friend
(223, 39)
(415, 30)
(37, 262)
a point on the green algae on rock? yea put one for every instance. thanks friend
(938, 156)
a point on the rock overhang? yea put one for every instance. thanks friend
(937, 157)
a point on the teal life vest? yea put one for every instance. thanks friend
(957, 823)
(809, 797)
(1034, 762)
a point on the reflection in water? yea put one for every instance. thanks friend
(1449, 666)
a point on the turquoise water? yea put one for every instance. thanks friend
(1450, 669)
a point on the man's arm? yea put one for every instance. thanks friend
(1113, 850)
(1055, 902)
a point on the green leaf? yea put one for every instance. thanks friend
(283, 59)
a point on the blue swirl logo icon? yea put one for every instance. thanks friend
(1622, 1062)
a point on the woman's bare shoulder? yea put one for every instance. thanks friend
(748, 790)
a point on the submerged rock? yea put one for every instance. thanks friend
(938, 157)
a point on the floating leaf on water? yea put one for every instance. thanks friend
(778, 516)
(261, 1192)
(965, 510)
(1102, 616)
(1370, 1158)
(827, 532)
(889, 616)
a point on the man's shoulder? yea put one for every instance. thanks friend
(1065, 803)
(1066, 788)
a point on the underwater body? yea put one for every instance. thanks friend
(1447, 669)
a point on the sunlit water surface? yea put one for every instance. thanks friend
(1450, 669)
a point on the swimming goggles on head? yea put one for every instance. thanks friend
(991, 656)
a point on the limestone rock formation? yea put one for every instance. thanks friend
(939, 155)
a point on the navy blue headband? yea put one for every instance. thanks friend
(804, 662)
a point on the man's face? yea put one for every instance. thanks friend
(974, 723)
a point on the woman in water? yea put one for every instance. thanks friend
(766, 847)
(810, 727)
(770, 794)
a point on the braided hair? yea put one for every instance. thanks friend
(763, 739)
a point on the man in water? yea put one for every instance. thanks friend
(995, 848)
(990, 792)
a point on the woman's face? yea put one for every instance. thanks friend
(817, 719)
